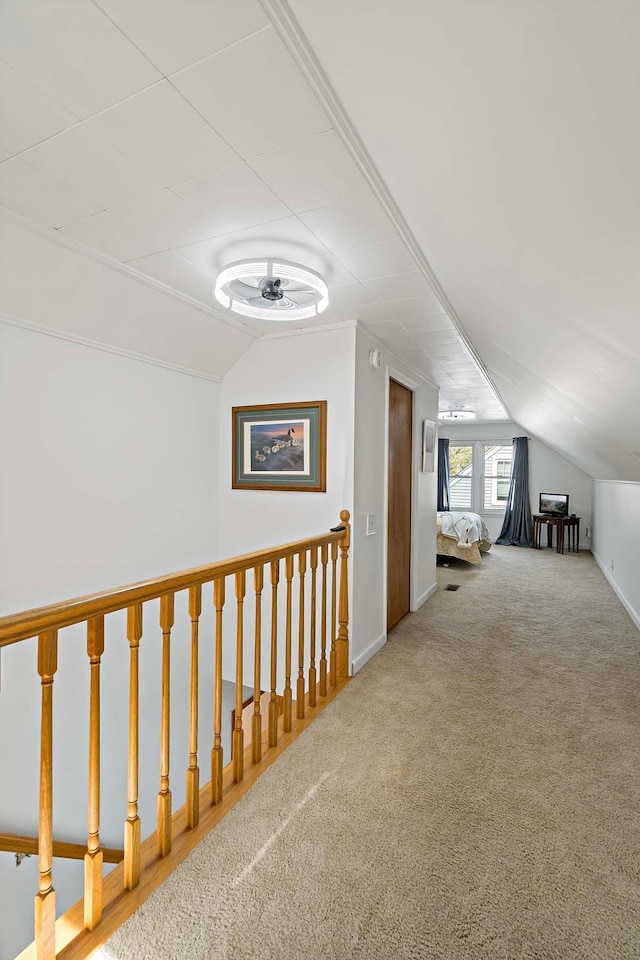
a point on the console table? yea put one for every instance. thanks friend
(569, 524)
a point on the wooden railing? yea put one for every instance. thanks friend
(319, 556)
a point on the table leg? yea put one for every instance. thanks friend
(578, 537)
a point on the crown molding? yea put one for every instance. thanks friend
(12, 321)
(62, 239)
(296, 42)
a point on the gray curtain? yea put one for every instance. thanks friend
(444, 475)
(517, 528)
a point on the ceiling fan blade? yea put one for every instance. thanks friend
(239, 289)
(301, 296)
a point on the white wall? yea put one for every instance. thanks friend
(548, 472)
(369, 552)
(616, 535)
(109, 475)
(317, 365)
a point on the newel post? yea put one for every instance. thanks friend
(342, 640)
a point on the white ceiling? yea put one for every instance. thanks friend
(179, 136)
(508, 136)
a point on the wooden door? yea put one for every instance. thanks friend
(399, 515)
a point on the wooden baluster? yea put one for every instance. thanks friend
(94, 857)
(238, 733)
(256, 721)
(45, 904)
(334, 607)
(164, 796)
(216, 753)
(193, 773)
(324, 556)
(342, 641)
(132, 824)
(288, 695)
(302, 569)
(273, 702)
(313, 563)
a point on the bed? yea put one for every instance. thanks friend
(463, 535)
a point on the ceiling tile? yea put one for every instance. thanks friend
(37, 196)
(174, 33)
(233, 198)
(27, 115)
(342, 225)
(328, 267)
(388, 257)
(411, 284)
(85, 163)
(369, 313)
(169, 219)
(432, 337)
(158, 130)
(384, 329)
(424, 324)
(253, 95)
(349, 295)
(408, 309)
(73, 53)
(112, 236)
(312, 173)
(287, 238)
(179, 274)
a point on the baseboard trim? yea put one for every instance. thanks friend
(635, 616)
(424, 597)
(371, 651)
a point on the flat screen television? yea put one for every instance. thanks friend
(554, 504)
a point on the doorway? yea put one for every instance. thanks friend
(399, 500)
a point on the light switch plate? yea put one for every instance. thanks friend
(371, 524)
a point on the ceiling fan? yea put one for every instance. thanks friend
(272, 290)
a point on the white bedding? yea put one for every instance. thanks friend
(462, 526)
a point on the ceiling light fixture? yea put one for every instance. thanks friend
(272, 290)
(457, 415)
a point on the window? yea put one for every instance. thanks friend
(480, 475)
(497, 459)
(461, 467)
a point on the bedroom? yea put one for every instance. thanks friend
(480, 457)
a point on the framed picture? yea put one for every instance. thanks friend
(280, 446)
(428, 446)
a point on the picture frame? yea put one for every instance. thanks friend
(428, 446)
(280, 446)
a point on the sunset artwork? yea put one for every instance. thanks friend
(280, 446)
(277, 447)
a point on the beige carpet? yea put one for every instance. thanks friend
(473, 794)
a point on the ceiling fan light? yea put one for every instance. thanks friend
(457, 415)
(283, 309)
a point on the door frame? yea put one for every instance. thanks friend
(392, 373)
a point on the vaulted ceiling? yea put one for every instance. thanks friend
(177, 137)
(507, 133)
(464, 174)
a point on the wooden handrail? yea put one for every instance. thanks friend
(16, 843)
(31, 623)
(45, 623)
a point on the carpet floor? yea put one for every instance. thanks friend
(473, 794)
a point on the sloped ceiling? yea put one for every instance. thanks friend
(508, 135)
(176, 136)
